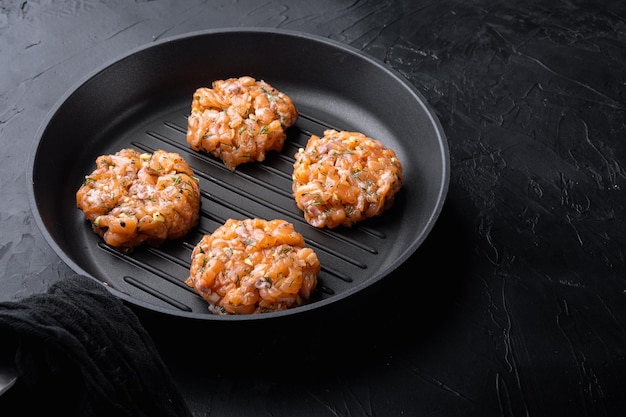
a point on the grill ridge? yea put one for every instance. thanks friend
(256, 183)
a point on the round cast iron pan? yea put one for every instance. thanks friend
(142, 100)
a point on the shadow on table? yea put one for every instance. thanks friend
(400, 311)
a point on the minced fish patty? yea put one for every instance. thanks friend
(134, 198)
(239, 119)
(253, 266)
(344, 177)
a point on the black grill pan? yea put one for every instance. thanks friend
(142, 100)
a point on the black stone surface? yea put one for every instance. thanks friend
(514, 306)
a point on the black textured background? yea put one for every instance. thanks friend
(514, 306)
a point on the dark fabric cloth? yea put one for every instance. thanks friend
(81, 352)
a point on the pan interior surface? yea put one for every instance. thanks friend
(142, 100)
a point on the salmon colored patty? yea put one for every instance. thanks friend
(134, 198)
(253, 266)
(239, 119)
(344, 177)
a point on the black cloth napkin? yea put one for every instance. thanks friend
(80, 351)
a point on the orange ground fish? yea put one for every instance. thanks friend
(344, 177)
(253, 266)
(239, 119)
(133, 198)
